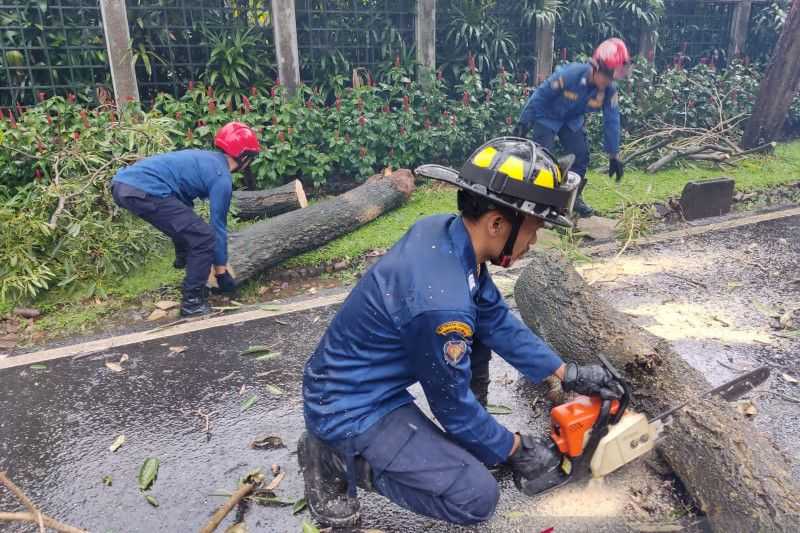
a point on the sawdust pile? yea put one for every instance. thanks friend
(596, 498)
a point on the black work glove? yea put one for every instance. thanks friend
(226, 283)
(520, 130)
(535, 465)
(615, 166)
(591, 380)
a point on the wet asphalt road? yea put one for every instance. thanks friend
(58, 423)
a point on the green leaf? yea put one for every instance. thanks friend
(272, 389)
(299, 505)
(119, 441)
(38, 367)
(148, 473)
(267, 356)
(247, 404)
(152, 501)
(498, 409)
(107, 481)
(254, 350)
(309, 528)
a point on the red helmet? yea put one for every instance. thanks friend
(612, 58)
(237, 140)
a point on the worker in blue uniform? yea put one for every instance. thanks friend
(161, 190)
(559, 105)
(414, 317)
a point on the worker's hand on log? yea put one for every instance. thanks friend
(520, 130)
(226, 283)
(533, 458)
(616, 167)
(591, 380)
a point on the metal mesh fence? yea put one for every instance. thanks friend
(336, 36)
(50, 46)
(693, 31)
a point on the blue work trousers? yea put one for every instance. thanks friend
(572, 142)
(417, 466)
(190, 234)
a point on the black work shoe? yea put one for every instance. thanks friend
(324, 474)
(582, 209)
(195, 303)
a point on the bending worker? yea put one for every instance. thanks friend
(557, 108)
(161, 190)
(413, 318)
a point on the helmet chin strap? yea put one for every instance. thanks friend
(504, 259)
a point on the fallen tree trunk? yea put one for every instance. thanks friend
(734, 473)
(268, 243)
(270, 202)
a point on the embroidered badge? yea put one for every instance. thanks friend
(454, 351)
(460, 328)
(569, 95)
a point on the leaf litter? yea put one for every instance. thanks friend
(148, 473)
(119, 441)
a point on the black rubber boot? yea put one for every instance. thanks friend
(325, 477)
(195, 303)
(582, 209)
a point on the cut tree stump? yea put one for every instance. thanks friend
(270, 202)
(269, 243)
(737, 477)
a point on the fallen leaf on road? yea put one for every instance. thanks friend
(107, 481)
(276, 481)
(272, 389)
(498, 410)
(267, 356)
(124, 358)
(241, 527)
(38, 367)
(152, 501)
(166, 305)
(309, 528)
(267, 443)
(270, 308)
(790, 379)
(746, 407)
(119, 441)
(116, 367)
(256, 350)
(247, 404)
(148, 473)
(242, 390)
(177, 349)
(299, 505)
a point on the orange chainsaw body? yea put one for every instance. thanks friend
(571, 422)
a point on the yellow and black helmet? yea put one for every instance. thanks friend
(516, 173)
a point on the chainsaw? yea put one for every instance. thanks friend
(592, 437)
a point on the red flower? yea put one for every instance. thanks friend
(274, 120)
(2, 115)
(309, 104)
(12, 119)
(201, 122)
(41, 96)
(509, 121)
(387, 109)
(212, 105)
(84, 118)
(338, 104)
(488, 95)
(370, 82)
(402, 131)
(71, 98)
(465, 99)
(20, 109)
(49, 119)
(76, 135)
(253, 91)
(178, 115)
(210, 91)
(41, 147)
(362, 121)
(406, 103)
(471, 63)
(274, 91)
(281, 136)
(362, 152)
(38, 173)
(191, 85)
(113, 117)
(246, 104)
(189, 134)
(397, 61)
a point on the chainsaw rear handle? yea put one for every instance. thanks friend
(626, 389)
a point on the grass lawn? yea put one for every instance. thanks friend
(71, 313)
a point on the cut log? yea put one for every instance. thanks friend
(734, 473)
(269, 243)
(270, 202)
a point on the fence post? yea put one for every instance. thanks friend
(648, 40)
(739, 23)
(285, 25)
(426, 38)
(545, 40)
(123, 72)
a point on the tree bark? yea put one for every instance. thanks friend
(779, 86)
(270, 202)
(268, 243)
(735, 474)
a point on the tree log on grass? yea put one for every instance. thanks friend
(270, 202)
(269, 243)
(736, 476)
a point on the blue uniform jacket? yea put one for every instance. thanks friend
(566, 96)
(188, 174)
(412, 318)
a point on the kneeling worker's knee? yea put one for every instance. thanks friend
(477, 500)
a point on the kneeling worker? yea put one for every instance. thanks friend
(413, 318)
(161, 190)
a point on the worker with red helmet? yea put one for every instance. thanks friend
(161, 190)
(560, 103)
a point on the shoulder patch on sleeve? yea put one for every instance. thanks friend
(454, 351)
(454, 326)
